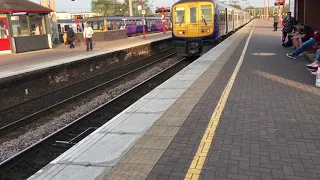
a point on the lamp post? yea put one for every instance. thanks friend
(53, 19)
(268, 10)
(130, 8)
(143, 25)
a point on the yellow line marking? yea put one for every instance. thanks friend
(206, 141)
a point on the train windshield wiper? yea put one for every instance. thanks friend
(204, 20)
(181, 21)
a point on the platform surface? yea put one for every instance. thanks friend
(13, 64)
(241, 111)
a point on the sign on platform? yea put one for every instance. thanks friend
(143, 12)
(139, 8)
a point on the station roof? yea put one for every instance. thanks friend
(13, 6)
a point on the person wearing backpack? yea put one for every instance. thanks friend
(71, 36)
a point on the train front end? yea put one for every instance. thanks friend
(193, 27)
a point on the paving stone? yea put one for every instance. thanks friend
(153, 142)
(129, 171)
(162, 131)
(142, 156)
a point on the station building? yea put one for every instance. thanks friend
(24, 26)
(306, 12)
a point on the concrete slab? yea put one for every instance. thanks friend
(137, 123)
(169, 94)
(156, 106)
(75, 172)
(180, 84)
(107, 152)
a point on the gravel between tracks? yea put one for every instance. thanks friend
(35, 133)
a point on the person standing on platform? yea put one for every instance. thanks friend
(275, 22)
(288, 23)
(71, 37)
(87, 34)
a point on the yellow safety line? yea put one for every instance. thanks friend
(203, 149)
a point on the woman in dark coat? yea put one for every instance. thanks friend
(71, 37)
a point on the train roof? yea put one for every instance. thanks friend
(101, 18)
(222, 5)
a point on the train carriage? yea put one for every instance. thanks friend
(198, 24)
(133, 25)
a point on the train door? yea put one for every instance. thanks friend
(193, 27)
(4, 35)
(222, 22)
(226, 20)
(233, 19)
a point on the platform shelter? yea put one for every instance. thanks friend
(24, 26)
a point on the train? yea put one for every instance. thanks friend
(197, 25)
(133, 25)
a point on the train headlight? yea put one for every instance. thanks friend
(181, 32)
(208, 30)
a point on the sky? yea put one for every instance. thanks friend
(84, 5)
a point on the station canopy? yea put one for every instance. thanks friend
(16, 6)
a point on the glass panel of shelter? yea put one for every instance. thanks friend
(22, 27)
(3, 31)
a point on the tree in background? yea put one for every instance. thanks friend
(135, 4)
(236, 6)
(105, 7)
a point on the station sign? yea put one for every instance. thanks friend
(279, 2)
(19, 13)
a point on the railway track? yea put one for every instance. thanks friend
(33, 158)
(28, 111)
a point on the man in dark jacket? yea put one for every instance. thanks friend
(288, 23)
(71, 37)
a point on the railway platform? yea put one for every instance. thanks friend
(241, 111)
(16, 64)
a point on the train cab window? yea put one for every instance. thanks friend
(180, 13)
(95, 26)
(101, 26)
(193, 14)
(206, 13)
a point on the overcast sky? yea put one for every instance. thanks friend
(84, 5)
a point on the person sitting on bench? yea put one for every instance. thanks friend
(306, 32)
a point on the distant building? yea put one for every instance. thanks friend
(70, 16)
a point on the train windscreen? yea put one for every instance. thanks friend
(179, 14)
